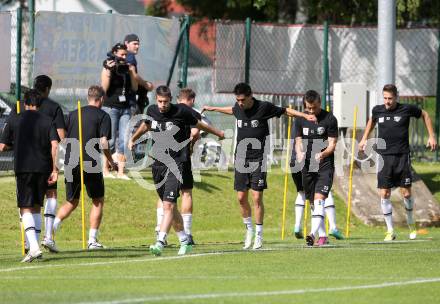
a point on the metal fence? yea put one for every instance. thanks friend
(281, 62)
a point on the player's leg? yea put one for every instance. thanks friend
(187, 199)
(242, 185)
(50, 209)
(178, 225)
(257, 197)
(95, 190)
(300, 202)
(330, 213)
(159, 216)
(385, 183)
(404, 170)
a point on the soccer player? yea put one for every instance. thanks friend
(315, 144)
(96, 134)
(329, 205)
(168, 124)
(43, 84)
(393, 121)
(34, 139)
(186, 97)
(252, 117)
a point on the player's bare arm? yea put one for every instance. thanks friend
(103, 142)
(54, 152)
(143, 128)
(368, 129)
(219, 133)
(299, 149)
(224, 110)
(432, 142)
(329, 150)
(295, 113)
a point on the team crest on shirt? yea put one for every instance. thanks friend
(240, 123)
(254, 123)
(397, 118)
(306, 131)
(388, 118)
(169, 125)
(320, 130)
(154, 124)
(381, 119)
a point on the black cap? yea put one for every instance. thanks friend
(131, 37)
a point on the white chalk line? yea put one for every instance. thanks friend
(190, 297)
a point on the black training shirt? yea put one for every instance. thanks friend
(168, 131)
(95, 124)
(317, 133)
(30, 134)
(189, 127)
(393, 126)
(49, 108)
(252, 123)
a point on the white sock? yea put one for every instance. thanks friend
(37, 221)
(299, 209)
(187, 222)
(183, 238)
(330, 211)
(93, 235)
(49, 217)
(409, 206)
(162, 236)
(259, 229)
(159, 217)
(387, 210)
(29, 228)
(321, 229)
(317, 215)
(56, 224)
(247, 221)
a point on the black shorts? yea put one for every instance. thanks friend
(94, 183)
(297, 179)
(396, 171)
(256, 180)
(318, 182)
(31, 189)
(167, 184)
(187, 176)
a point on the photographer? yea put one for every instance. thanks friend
(119, 82)
(139, 100)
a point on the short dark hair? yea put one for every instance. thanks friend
(187, 93)
(243, 89)
(95, 92)
(118, 46)
(311, 96)
(42, 82)
(33, 98)
(163, 91)
(391, 88)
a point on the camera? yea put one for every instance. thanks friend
(120, 67)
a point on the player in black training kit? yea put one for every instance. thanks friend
(315, 144)
(329, 206)
(96, 132)
(43, 84)
(186, 97)
(34, 139)
(168, 125)
(252, 117)
(393, 122)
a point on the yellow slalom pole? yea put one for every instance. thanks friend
(350, 185)
(21, 222)
(289, 125)
(306, 213)
(83, 216)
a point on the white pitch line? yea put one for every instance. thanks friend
(158, 259)
(262, 293)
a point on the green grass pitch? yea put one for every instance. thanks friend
(361, 269)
